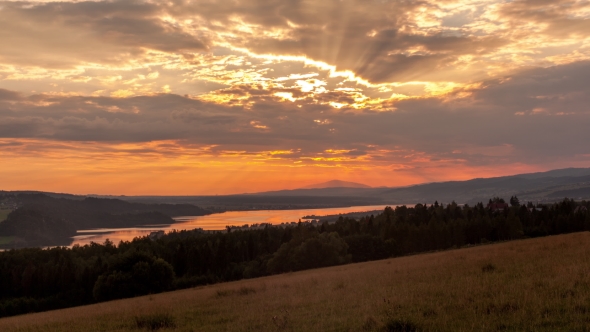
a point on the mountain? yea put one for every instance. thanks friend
(336, 184)
(324, 192)
(545, 186)
(542, 186)
(548, 186)
(564, 172)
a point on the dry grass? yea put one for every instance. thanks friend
(530, 285)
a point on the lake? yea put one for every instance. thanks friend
(217, 221)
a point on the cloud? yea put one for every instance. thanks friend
(69, 34)
(9, 95)
(435, 126)
(381, 41)
(357, 85)
(557, 18)
(111, 47)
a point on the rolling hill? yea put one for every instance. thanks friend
(544, 186)
(514, 286)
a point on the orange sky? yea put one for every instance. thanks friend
(208, 97)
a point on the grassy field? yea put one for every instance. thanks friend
(538, 284)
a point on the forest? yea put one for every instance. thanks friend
(34, 279)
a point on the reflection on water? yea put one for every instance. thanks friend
(216, 221)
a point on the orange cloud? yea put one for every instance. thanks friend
(177, 168)
(201, 97)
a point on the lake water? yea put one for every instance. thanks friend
(217, 221)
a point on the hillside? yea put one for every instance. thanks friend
(43, 220)
(537, 284)
(543, 186)
(33, 280)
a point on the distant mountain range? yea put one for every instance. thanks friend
(534, 187)
(542, 186)
(336, 184)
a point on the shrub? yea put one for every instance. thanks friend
(488, 268)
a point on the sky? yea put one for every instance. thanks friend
(218, 97)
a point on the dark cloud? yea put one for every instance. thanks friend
(535, 116)
(532, 115)
(557, 88)
(363, 36)
(9, 95)
(543, 113)
(556, 15)
(62, 34)
(368, 37)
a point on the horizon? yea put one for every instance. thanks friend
(81, 193)
(205, 98)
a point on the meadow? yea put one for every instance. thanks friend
(540, 284)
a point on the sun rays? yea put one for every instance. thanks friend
(399, 92)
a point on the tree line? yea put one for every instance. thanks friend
(36, 279)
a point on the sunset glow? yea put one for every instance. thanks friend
(216, 97)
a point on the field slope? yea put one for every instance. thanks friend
(540, 284)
